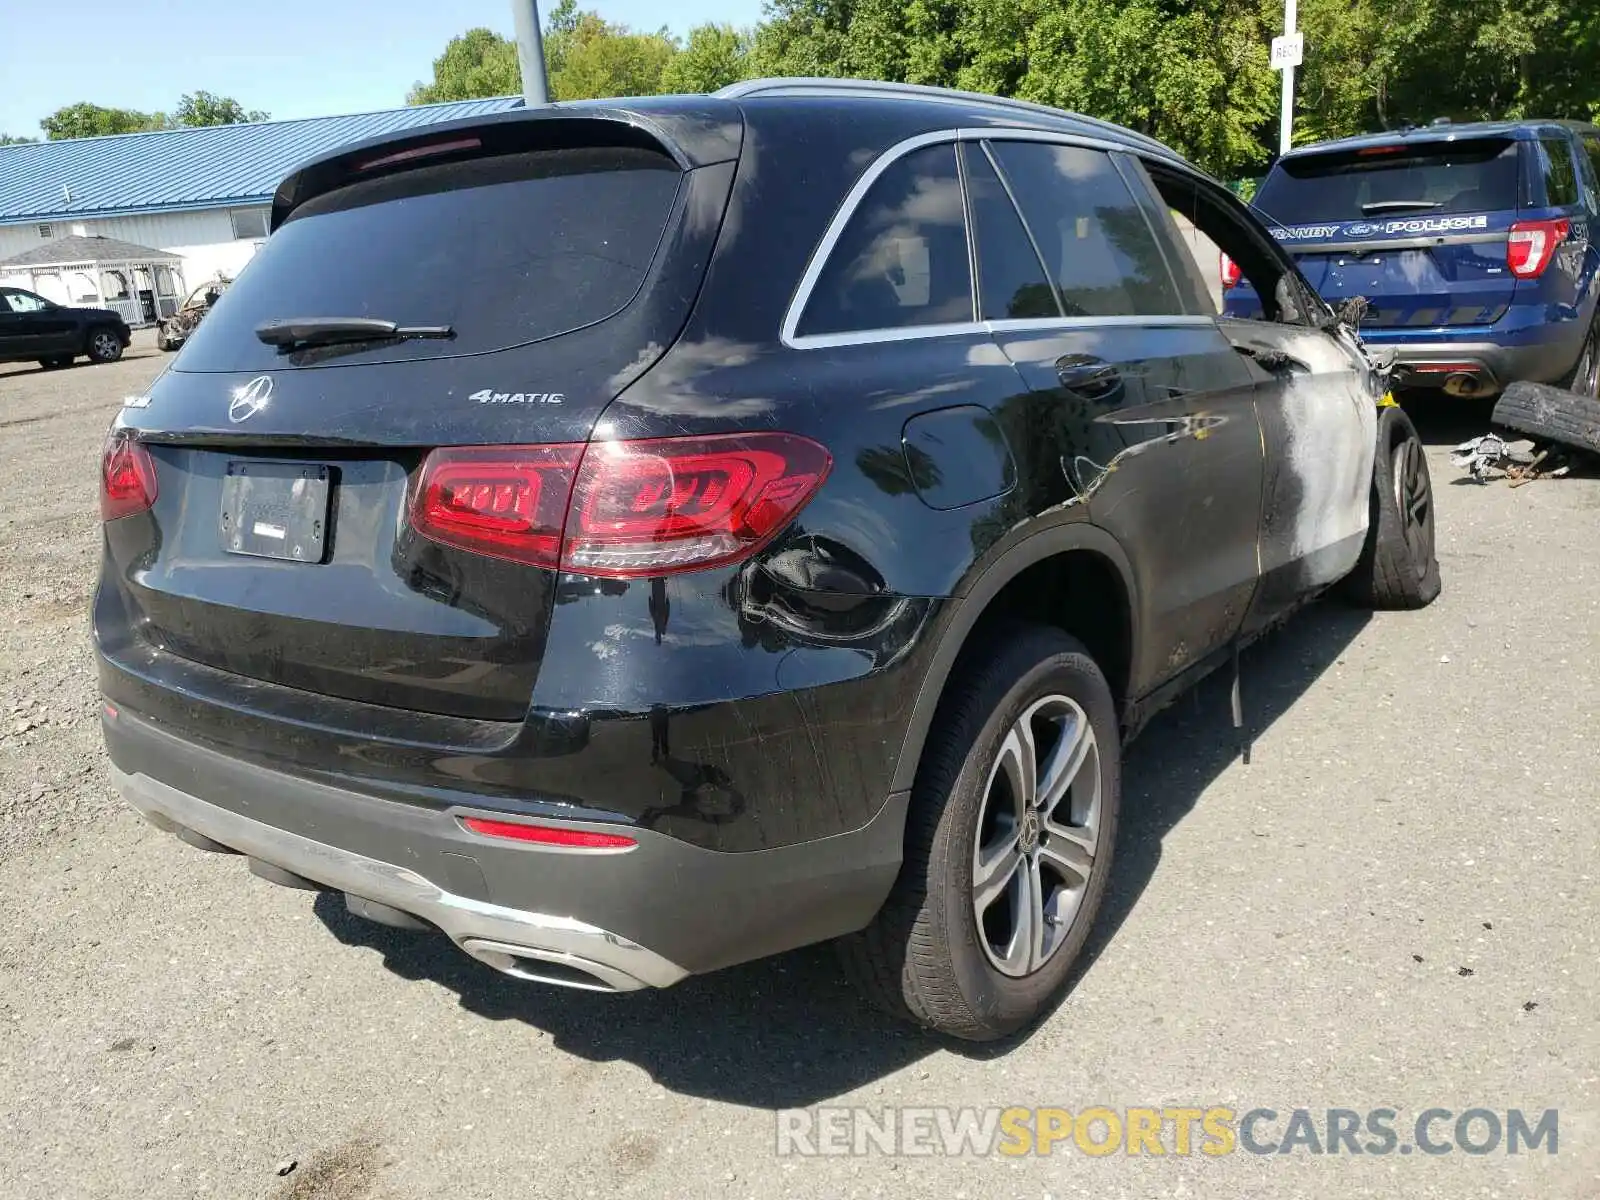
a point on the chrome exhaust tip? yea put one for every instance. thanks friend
(1465, 386)
(551, 966)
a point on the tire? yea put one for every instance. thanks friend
(1585, 377)
(1399, 565)
(103, 345)
(927, 958)
(1551, 414)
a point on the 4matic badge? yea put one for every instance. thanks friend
(490, 396)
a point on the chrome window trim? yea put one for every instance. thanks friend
(1047, 324)
(870, 337)
(787, 332)
(908, 333)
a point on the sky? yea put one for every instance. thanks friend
(293, 58)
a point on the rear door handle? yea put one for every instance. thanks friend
(1087, 376)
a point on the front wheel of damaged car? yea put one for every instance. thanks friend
(1008, 842)
(1399, 565)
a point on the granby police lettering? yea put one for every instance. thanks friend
(1305, 233)
(1362, 229)
(1435, 224)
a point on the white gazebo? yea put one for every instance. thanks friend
(139, 283)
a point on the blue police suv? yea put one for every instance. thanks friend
(1471, 243)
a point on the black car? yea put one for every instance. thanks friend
(637, 537)
(32, 327)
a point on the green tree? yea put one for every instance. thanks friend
(1193, 74)
(7, 140)
(1377, 65)
(477, 63)
(203, 108)
(602, 59)
(559, 29)
(713, 57)
(83, 120)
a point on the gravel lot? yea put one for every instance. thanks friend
(1360, 917)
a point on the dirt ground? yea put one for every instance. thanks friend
(1394, 903)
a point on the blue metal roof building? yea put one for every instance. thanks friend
(180, 170)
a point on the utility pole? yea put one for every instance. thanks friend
(1287, 52)
(530, 52)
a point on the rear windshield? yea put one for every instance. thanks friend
(504, 250)
(1418, 179)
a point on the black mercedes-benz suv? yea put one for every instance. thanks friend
(637, 537)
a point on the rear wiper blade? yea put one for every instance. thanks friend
(330, 331)
(1378, 206)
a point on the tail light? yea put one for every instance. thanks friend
(1231, 274)
(429, 150)
(620, 509)
(127, 478)
(506, 502)
(1532, 245)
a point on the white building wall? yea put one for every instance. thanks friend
(204, 239)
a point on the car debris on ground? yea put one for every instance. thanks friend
(1493, 457)
(1562, 428)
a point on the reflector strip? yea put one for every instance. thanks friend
(549, 835)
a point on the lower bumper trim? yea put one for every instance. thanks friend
(531, 945)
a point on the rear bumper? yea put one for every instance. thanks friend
(615, 921)
(1540, 353)
(488, 931)
(1421, 364)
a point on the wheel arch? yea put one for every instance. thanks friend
(1024, 584)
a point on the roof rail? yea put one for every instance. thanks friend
(801, 85)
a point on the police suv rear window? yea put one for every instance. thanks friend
(1403, 180)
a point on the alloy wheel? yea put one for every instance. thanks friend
(105, 345)
(1414, 500)
(1038, 834)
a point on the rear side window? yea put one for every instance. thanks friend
(1094, 237)
(901, 261)
(1421, 179)
(1560, 179)
(1012, 284)
(1591, 147)
(505, 250)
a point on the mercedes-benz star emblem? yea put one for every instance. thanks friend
(250, 399)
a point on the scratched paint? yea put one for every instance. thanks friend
(1331, 435)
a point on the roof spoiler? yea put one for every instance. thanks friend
(692, 136)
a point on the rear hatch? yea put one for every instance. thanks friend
(1418, 227)
(558, 256)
